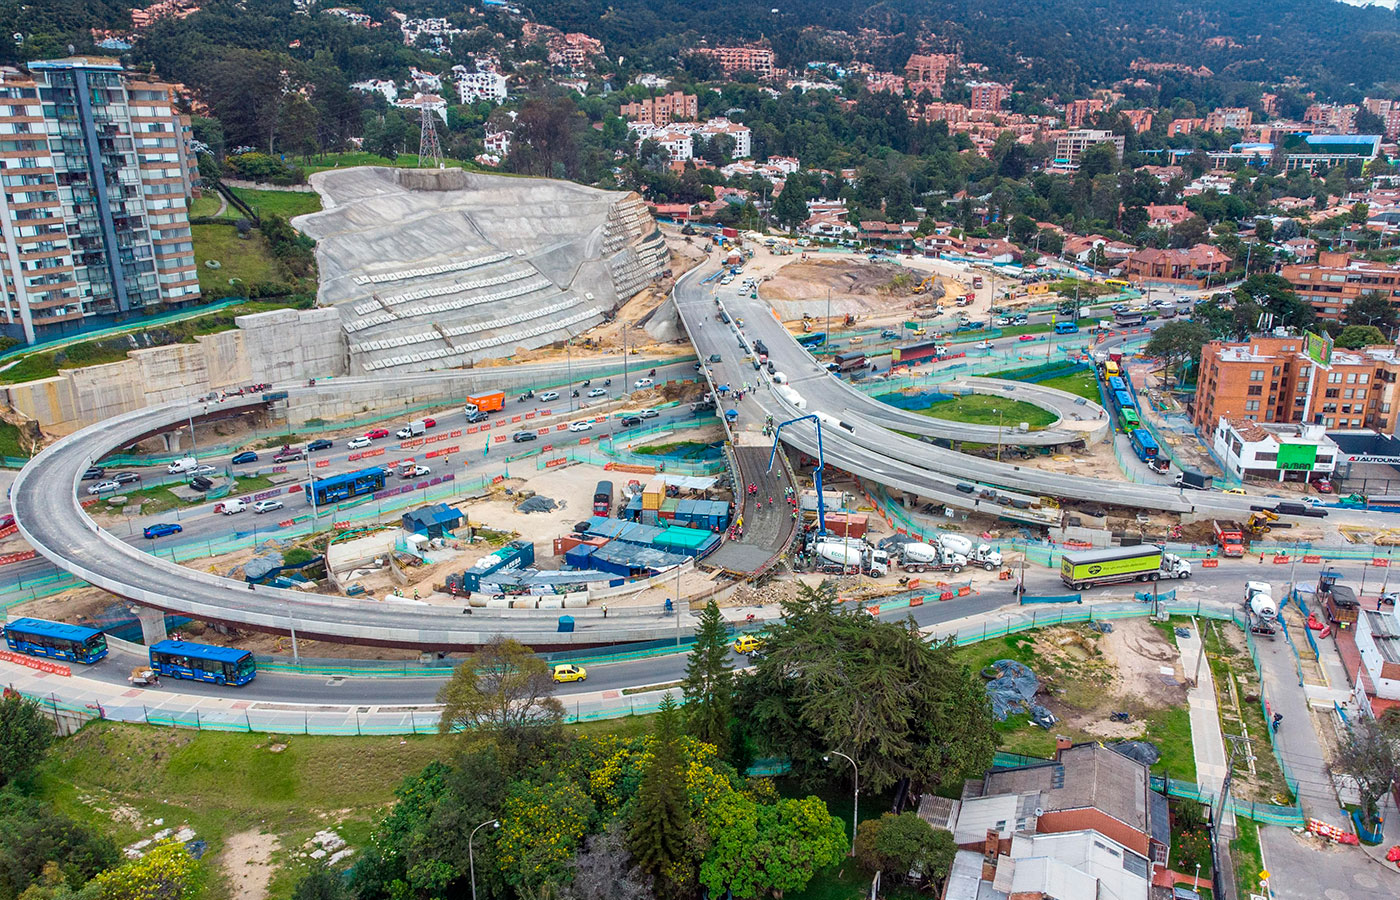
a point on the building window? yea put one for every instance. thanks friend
(1349, 394)
(1256, 374)
(1333, 393)
(1255, 390)
(1351, 378)
(1251, 404)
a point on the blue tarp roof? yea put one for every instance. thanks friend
(435, 514)
(637, 557)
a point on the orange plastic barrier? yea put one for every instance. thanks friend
(43, 665)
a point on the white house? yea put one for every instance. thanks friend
(1378, 640)
(387, 89)
(474, 86)
(498, 143)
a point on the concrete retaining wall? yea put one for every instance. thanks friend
(282, 345)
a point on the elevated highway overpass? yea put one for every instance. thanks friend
(870, 445)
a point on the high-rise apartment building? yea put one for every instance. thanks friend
(95, 169)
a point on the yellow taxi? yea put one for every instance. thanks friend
(1236, 491)
(565, 673)
(747, 643)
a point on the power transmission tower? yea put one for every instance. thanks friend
(429, 150)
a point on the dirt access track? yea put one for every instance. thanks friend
(858, 287)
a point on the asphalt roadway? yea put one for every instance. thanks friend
(1210, 584)
(60, 530)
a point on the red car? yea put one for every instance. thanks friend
(429, 423)
(1026, 337)
(377, 433)
(1322, 486)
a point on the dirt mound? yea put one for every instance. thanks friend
(846, 279)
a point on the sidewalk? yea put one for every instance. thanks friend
(1207, 741)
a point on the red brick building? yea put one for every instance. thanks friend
(662, 110)
(988, 95)
(1335, 280)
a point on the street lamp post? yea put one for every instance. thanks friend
(855, 795)
(471, 858)
(999, 421)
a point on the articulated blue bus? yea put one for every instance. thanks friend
(57, 640)
(202, 662)
(1124, 400)
(343, 487)
(1116, 383)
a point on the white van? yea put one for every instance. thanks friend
(181, 466)
(230, 507)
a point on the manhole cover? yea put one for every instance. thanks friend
(1367, 881)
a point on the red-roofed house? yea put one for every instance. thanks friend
(1191, 266)
(1167, 216)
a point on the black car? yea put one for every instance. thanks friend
(631, 421)
(247, 456)
(522, 436)
(126, 477)
(200, 483)
(319, 444)
(94, 472)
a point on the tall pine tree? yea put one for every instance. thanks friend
(709, 682)
(661, 818)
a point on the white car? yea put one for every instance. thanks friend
(548, 396)
(597, 392)
(414, 471)
(648, 414)
(204, 470)
(580, 426)
(983, 345)
(643, 383)
(263, 506)
(358, 443)
(103, 487)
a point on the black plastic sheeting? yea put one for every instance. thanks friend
(1144, 752)
(1013, 691)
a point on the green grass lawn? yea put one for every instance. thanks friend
(207, 206)
(1082, 383)
(1170, 730)
(280, 203)
(1248, 858)
(10, 443)
(246, 259)
(980, 409)
(346, 160)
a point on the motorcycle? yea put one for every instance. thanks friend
(575, 393)
(651, 374)
(607, 383)
(587, 382)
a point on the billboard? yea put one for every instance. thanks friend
(1297, 456)
(1319, 348)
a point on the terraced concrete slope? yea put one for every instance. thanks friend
(441, 268)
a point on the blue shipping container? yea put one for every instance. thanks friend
(515, 555)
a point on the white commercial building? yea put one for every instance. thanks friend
(1276, 452)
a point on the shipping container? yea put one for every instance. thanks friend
(515, 555)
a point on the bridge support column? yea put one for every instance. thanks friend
(152, 624)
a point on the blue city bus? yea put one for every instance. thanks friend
(1144, 444)
(58, 640)
(202, 662)
(1124, 400)
(814, 339)
(1116, 383)
(343, 487)
(1130, 420)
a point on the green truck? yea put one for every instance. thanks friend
(1080, 569)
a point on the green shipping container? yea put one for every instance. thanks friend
(686, 538)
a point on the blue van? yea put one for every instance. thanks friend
(1066, 328)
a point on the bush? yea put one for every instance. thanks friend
(33, 836)
(25, 736)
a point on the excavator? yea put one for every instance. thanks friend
(925, 284)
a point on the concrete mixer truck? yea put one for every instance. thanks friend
(917, 557)
(978, 554)
(843, 555)
(1261, 609)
